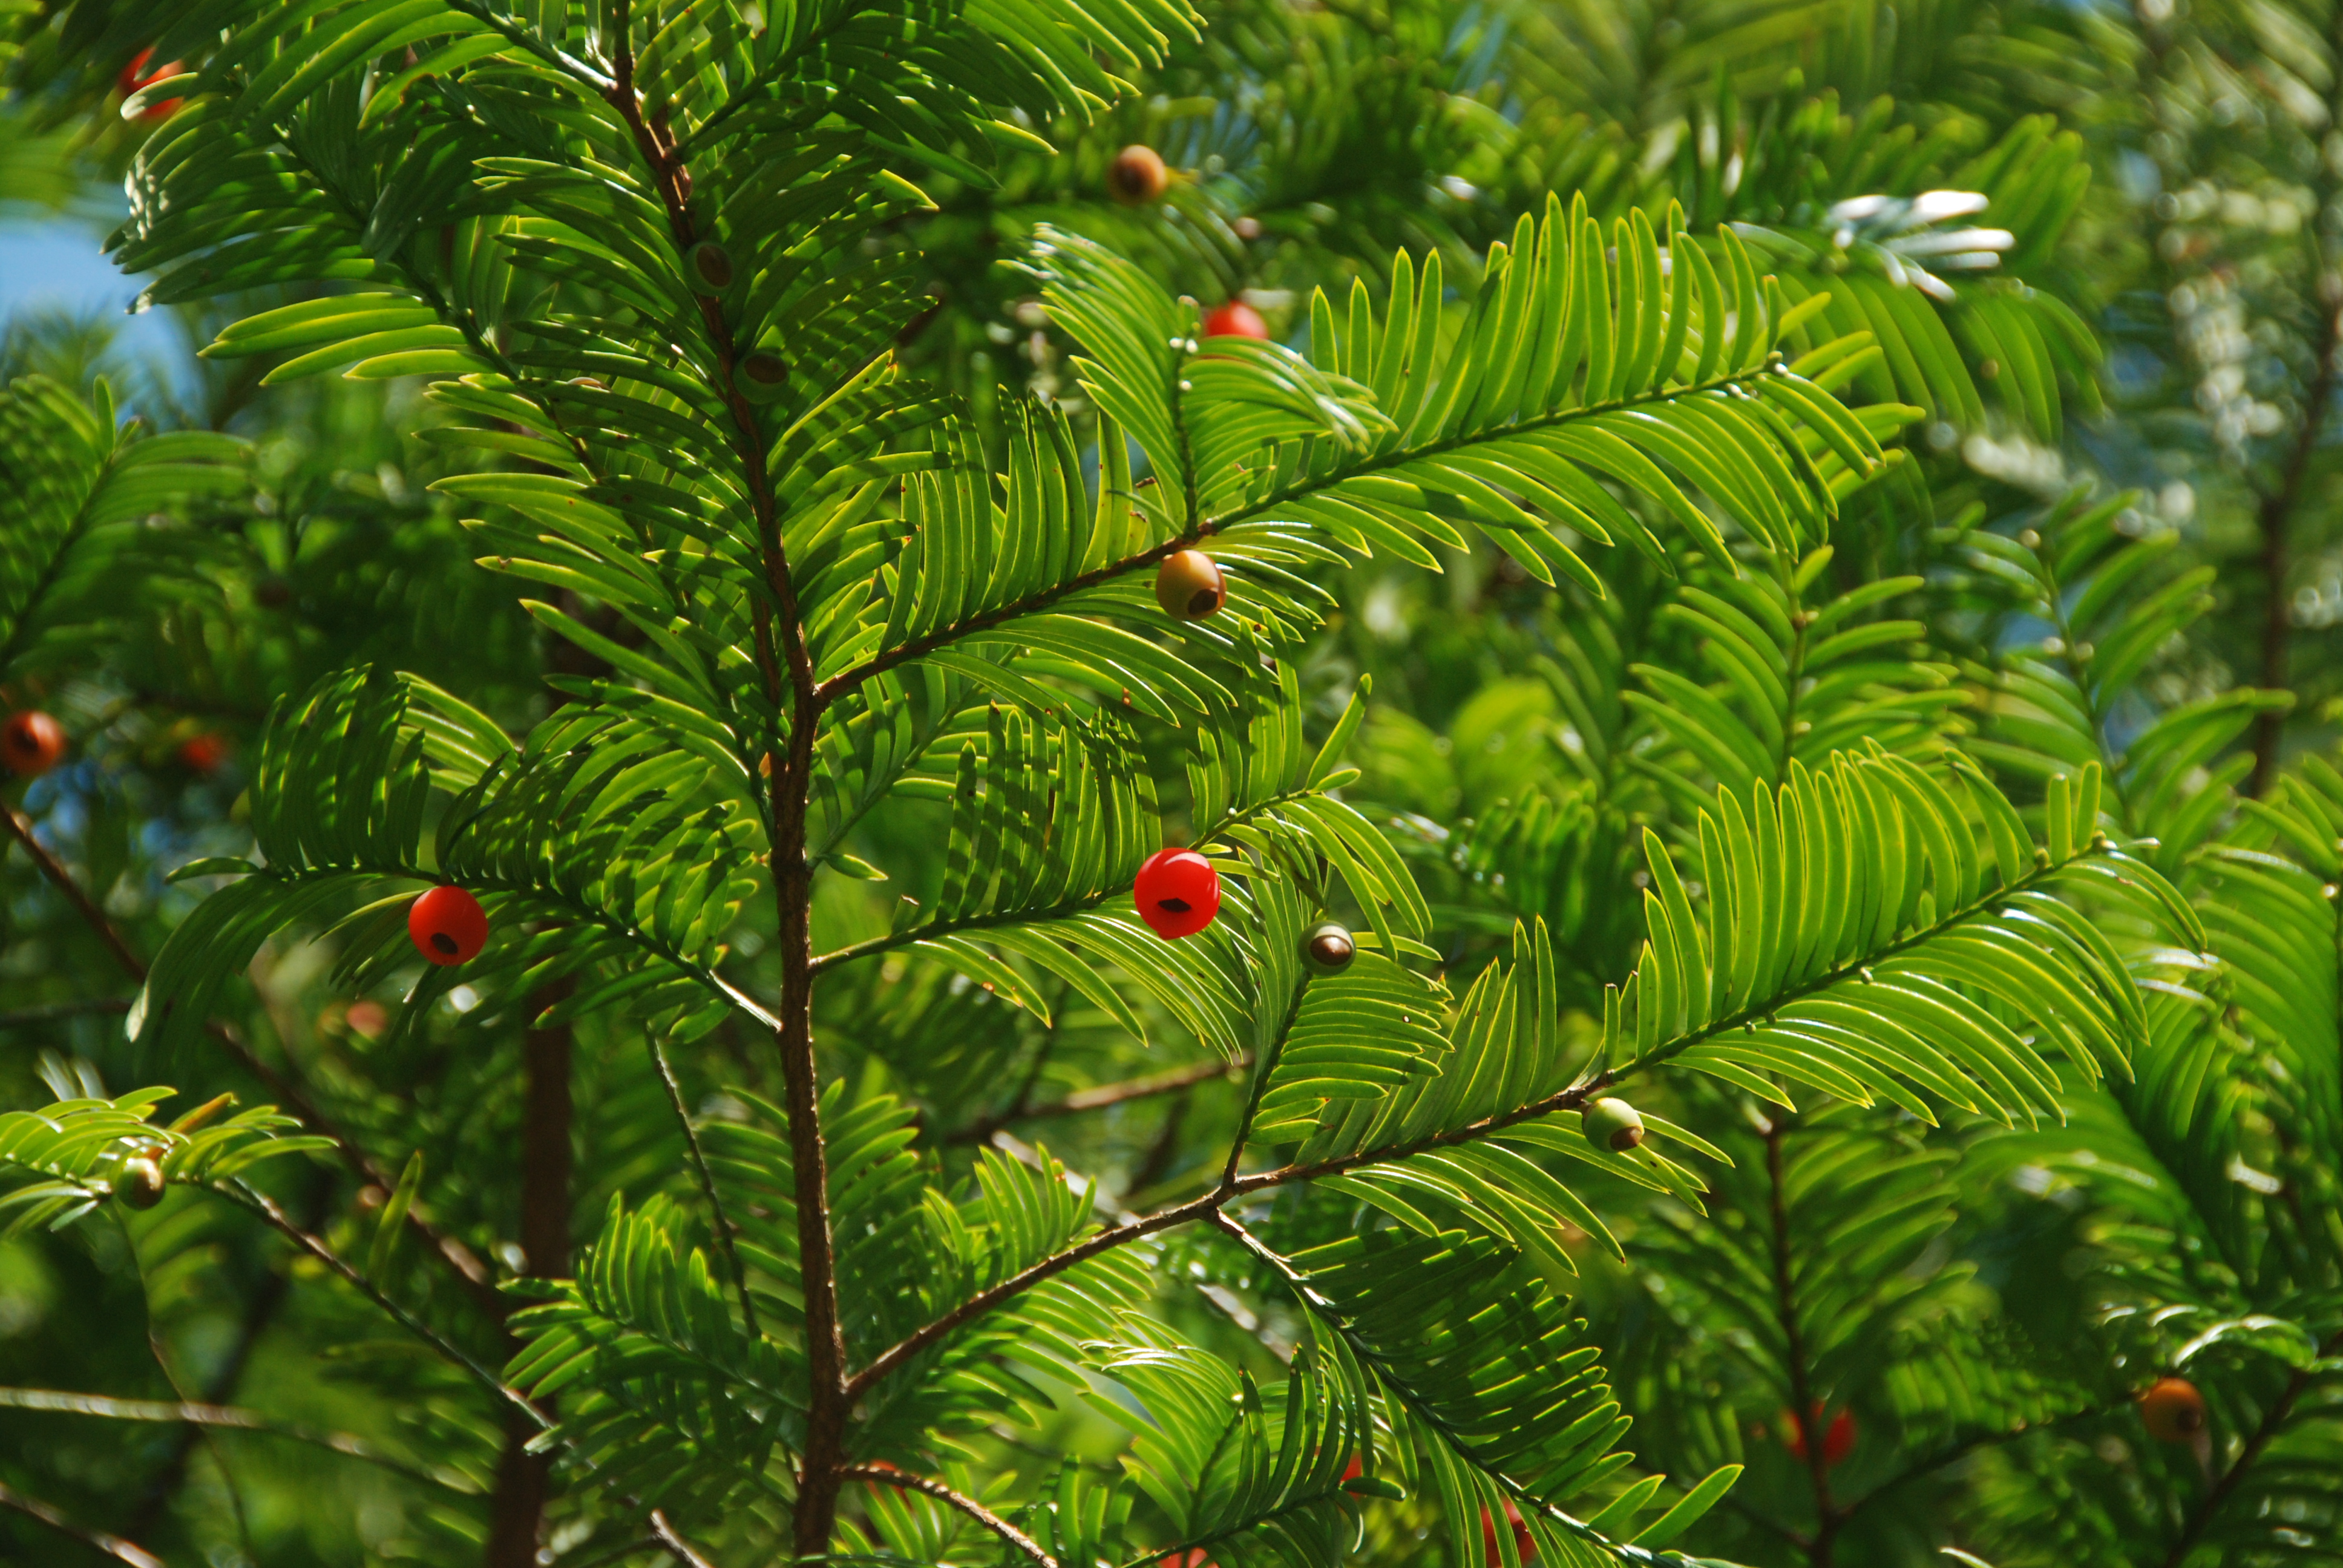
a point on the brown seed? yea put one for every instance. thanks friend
(707, 266)
(761, 377)
(141, 1185)
(1190, 586)
(2172, 1409)
(1329, 949)
(1137, 177)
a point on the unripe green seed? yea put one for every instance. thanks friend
(140, 1185)
(1328, 949)
(1190, 587)
(707, 267)
(1612, 1125)
(761, 377)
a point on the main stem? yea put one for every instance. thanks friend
(2277, 513)
(787, 668)
(1802, 1403)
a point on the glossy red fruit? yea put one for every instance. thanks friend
(135, 76)
(1524, 1547)
(205, 753)
(1194, 1558)
(1137, 177)
(1190, 586)
(31, 743)
(1838, 1438)
(1178, 891)
(446, 925)
(367, 1019)
(2173, 1410)
(1236, 319)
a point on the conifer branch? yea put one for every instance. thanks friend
(2276, 515)
(718, 1222)
(792, 779)
(247, 1196)
(1568, 1099)
(1008, 1533)
(228, 1417)
(470, 1273)
(114, 1546)
(674, 1545)
(1101, 1098)
(1202, 528)
(1804, 1412)
(871, 947)
(2200, 1519)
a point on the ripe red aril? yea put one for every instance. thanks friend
(203, 753)
(1524, 1547)
(447, 925)
(1178, 893)
(1236, 319)
(31, 743)
(1838, 1437)
(135, 76)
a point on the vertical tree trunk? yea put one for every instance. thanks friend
(523, 1479)
(2276, 515)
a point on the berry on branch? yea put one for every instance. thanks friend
(760, 377)
(2173, 1410)
(135, 76)
(140, 1185)
(1612, 1125)
(1178, 893)
(707, 267)
(1190, 586)
(1328, 949)
(1236, 319)
(31, 743)
(1137, 177)
(447, 925)
(203, 753)
(1838, 1437)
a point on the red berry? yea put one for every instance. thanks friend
(1137, 177)
(205, 753)
(446, 925)
(135, 76)
(1524, 1547)
(1195, 1558)
(31, 743)
(2173, 1410)
(1838, 1439)
(1356, 1468)
(1236, 319)
(1178, 891)
(367, 1019)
